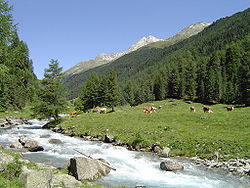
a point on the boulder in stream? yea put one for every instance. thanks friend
(31, 145)
(88, 169)
(171, 166)
(55, 141)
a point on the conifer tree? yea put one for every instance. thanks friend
(129, 93)
(3, 87)
(90, 95)
(111, 93)
(160, 87)
(51, 96)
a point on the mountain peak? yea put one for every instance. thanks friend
(143, 42)
(194, 28)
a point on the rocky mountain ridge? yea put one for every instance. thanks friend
(106, 58)
(149, 41)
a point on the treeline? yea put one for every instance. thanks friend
(223, 77)
(99, 91)
(17, 80)
(189, 58)
(211, 67)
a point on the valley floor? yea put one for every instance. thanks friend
(186, 133)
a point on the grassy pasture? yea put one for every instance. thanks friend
(186, 133)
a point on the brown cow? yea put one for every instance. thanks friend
(149, 110)
(207, 109)
(230, 108)
(192, 109)
(73, 113)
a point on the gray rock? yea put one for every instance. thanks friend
(16, 145)
(64, 180)
(55, 141)
(45, 136)
(171, 166)
(109, 139)
(87, 169)
(36, 179)
(35, 149)
(165, 152)
(31, 145)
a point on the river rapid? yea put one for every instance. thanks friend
(132, 168)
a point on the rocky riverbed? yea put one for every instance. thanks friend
(236, 166)
(132, 168)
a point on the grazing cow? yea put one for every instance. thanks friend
(230, 108)
(73, 113)
(192, 109)
(149, 110)
(100, 110)
(95, 110)
(207, 109)
(153, 109)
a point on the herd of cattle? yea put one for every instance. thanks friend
(206, 109)
(151, 109)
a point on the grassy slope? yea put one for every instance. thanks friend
(187, 133)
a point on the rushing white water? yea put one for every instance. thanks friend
(133, 168)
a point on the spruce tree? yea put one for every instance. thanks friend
(111, 93)
(3, 87)
(90, 96)
(129, 93)
(51, 96)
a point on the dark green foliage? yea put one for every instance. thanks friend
(210, 67)
(90, 96)
(17, 80)
(51, 96)
(12, 170)
(111, 91)
(129, 93)
(99, 91)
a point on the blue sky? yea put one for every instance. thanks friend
(78, 30)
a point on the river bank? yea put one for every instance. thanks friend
(235, 166)
(133, 167)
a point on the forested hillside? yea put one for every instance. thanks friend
(17, 80)
(210, 67)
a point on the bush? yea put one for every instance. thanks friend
(12, 170)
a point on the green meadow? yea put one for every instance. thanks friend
(186, 133)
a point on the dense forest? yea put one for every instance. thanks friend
(17, 80)
(210, 67)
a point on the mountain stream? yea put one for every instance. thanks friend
(132, 168)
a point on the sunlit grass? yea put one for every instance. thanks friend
(185, 132)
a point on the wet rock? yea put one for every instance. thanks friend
(87, 169)
(10, 121)
(171, 166)
(36, 149)
(55, 141)
(16, 145)
(45, 136)
(238, 166)
(109, 139)
(164, 152)
(31, 145)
